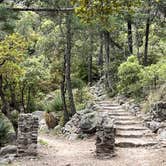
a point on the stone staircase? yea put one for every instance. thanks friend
(130, 131)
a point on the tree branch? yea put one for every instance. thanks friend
(64, 10)
(2, 63)
(115, 43)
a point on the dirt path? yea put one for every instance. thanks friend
(61, 152)
(130, 135)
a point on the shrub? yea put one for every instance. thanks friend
(129, 76)
(154, 75)
(4, 131)
(56, 105)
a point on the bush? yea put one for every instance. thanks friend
(129, 75)
(4, 131)
(56, 105)
(154, 75)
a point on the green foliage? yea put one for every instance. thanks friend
(77, 83)
(133, 77)
(56, 105)
(128, 73)
(4, 130)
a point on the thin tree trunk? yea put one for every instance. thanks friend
(68, 64)
(63, 92)
(130, 38)
(147, 31)
(22, 98)
(107, 60)
(90, 61)
(146, 40)
(28, 100)
(100, 57)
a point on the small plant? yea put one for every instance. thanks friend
(4, 131)
(43, 142)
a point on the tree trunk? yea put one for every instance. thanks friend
(107, 60)
(63, 92)
(68, 64)
(100, 57)
(147, 31)
(22, 98)
(90, 61)
(130, 38)
(146, 40)
(28, 100)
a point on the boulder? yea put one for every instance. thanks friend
(88, 123)
(10, 149)
(162, 134)
(153, 125)
(158, 111)
(72, 127)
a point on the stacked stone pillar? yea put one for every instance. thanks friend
(105, 138)
(27, 135)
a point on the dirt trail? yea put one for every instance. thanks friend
(62, 152)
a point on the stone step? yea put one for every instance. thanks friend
(119, 108)
(123, 117)
(134, 142)
(118, 114)
(129, 127)
(133, 134)
(126, 122)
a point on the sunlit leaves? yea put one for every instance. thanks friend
(12, 53)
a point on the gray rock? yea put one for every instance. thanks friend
(153, 125)
(162, 134)
(88, 123)
(10, 149)
(158, 111)
(39, 115)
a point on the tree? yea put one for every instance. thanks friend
(13, 50)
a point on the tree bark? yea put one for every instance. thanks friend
(130, 38)
(100, 57)
(63, 93)
(28, 100)
(68, 64)
(90, 61)
(146, 41)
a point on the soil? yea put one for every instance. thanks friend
(61, 152)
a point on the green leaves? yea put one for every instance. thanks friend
(133, 77)
(13, 51)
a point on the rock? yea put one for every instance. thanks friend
(162, 134)
(73, 125)
(105, 138)
(10, 149)
(39, 115)
(12, 138)
(88, 123)
(158, 111)
(4, 161)
(73, 137)
(153, 125)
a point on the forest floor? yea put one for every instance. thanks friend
(62, 152)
